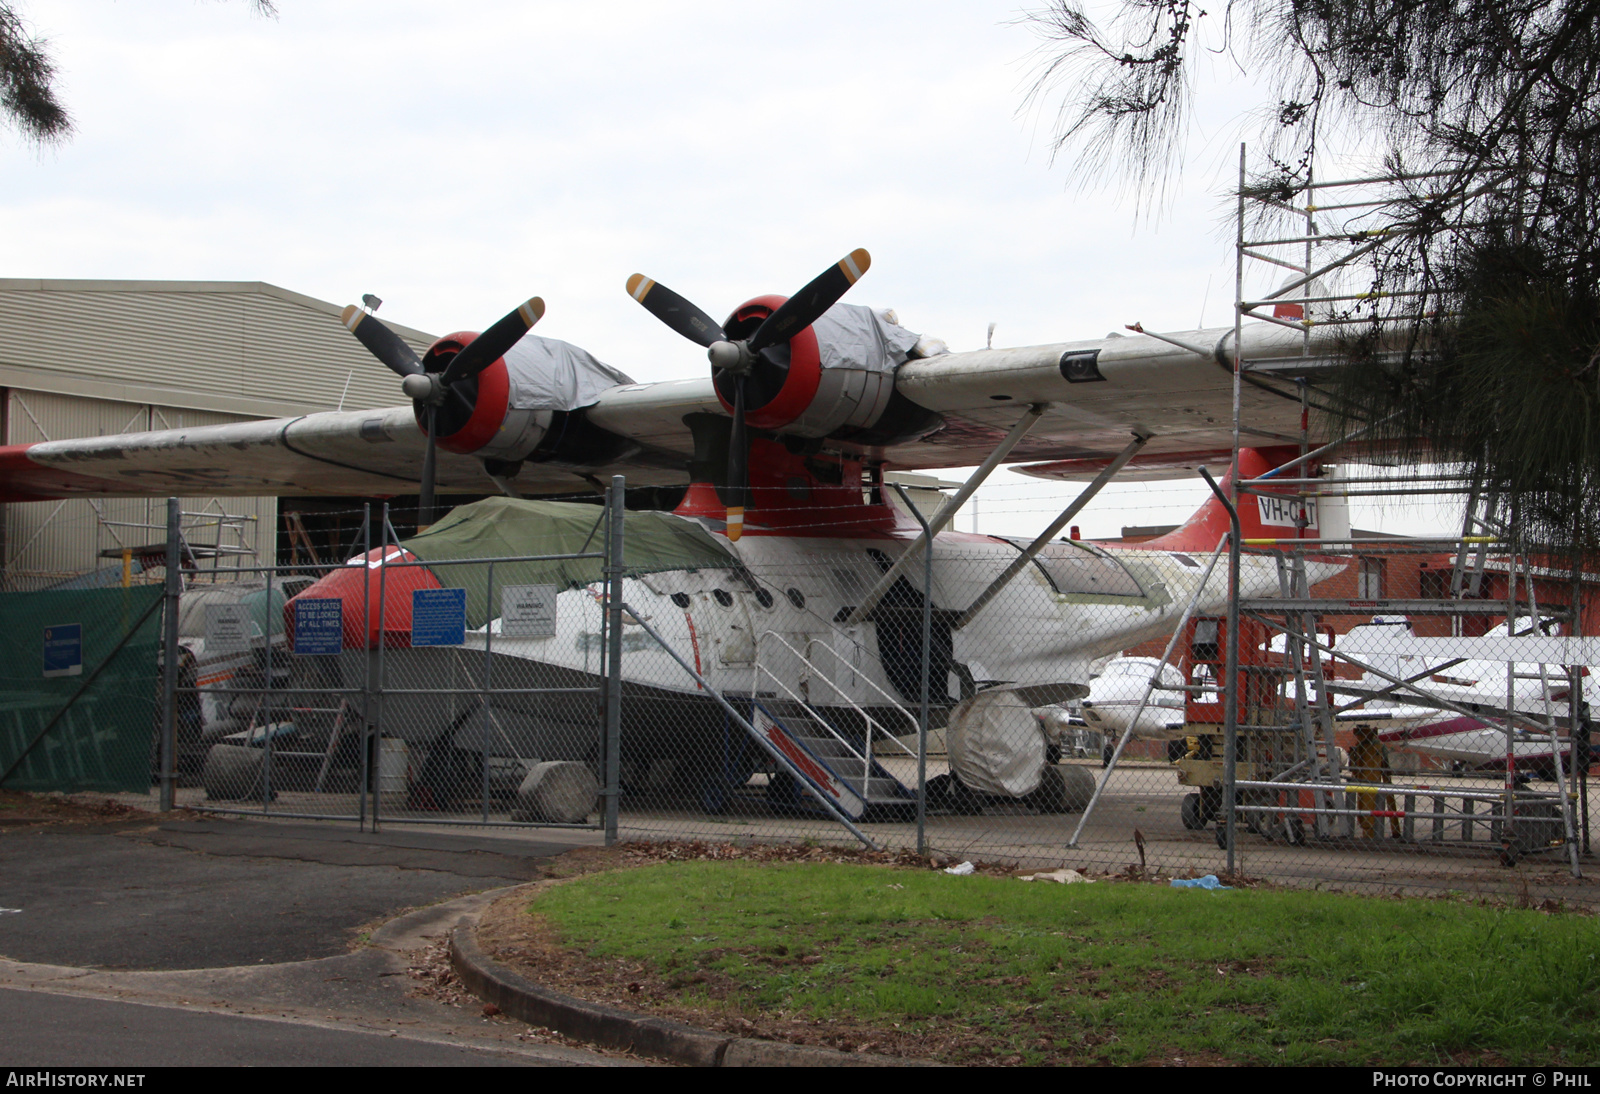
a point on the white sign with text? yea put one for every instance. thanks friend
(528, 611)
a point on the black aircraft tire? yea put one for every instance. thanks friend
(1189, 810)
(1062, 789)
(232, 773)
(964, 802)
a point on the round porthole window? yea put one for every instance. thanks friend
(681, 599)
(797, 598)
(723, 597)
(764, 598)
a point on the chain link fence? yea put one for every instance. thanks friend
(1363, 753)
(366, 684)
(516, 665)
(78, 706)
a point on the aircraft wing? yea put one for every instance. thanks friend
(373, 453)
(1101, 392)
(1098, 393)
(953, 409)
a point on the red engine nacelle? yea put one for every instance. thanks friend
(522, 402)
(831, 378)
(487, 393)
(774, 396)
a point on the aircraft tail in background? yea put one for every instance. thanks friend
(1261, 516)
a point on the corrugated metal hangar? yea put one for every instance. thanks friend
(90, 358)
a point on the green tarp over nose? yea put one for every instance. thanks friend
(510, 527)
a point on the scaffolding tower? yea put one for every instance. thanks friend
(1288, 734)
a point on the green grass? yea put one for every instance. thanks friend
(1113, 973)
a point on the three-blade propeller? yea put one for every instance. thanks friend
(431, 390)
(738, 356)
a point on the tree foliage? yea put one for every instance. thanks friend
(27, 83)
(1493, 108)
(28, 99)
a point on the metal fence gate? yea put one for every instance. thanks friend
(387, 688)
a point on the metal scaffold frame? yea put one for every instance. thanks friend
(1281, 773)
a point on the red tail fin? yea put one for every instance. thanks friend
(1260, 517)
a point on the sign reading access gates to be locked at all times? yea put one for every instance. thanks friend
(319, 626)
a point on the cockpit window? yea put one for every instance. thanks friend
(1078, 568)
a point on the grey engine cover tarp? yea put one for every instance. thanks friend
(548, 374)
(996, 744)
(851, 336)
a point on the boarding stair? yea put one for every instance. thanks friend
(836, 752)
(827, 763)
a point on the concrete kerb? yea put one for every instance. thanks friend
(612, 1027)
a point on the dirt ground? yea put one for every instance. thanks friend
(19, 810)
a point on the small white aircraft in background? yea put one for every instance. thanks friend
(1117, 696)
(1539, 692)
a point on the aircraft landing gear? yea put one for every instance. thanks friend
(714, 797)
(784, 792)
(1189, 809)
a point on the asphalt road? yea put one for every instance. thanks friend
(38, 1030)
(234, 942)
(200, 894)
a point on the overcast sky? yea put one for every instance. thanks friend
(456, 159)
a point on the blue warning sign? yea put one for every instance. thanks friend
(63, 650)
(438, 617)
(319, 626)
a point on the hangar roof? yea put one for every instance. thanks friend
(236, 347)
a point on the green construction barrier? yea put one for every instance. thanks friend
(88, 661)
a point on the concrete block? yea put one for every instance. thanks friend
(557, 792)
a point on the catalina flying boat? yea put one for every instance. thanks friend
(796, 559)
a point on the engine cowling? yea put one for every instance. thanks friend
(521, 406)
(833, 378)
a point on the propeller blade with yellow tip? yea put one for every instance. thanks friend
(675, 311)
(381, 342)
(738, 463)
(806, 306)
(492, 344)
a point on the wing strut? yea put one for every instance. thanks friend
(947, 511)
(1083, 498)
